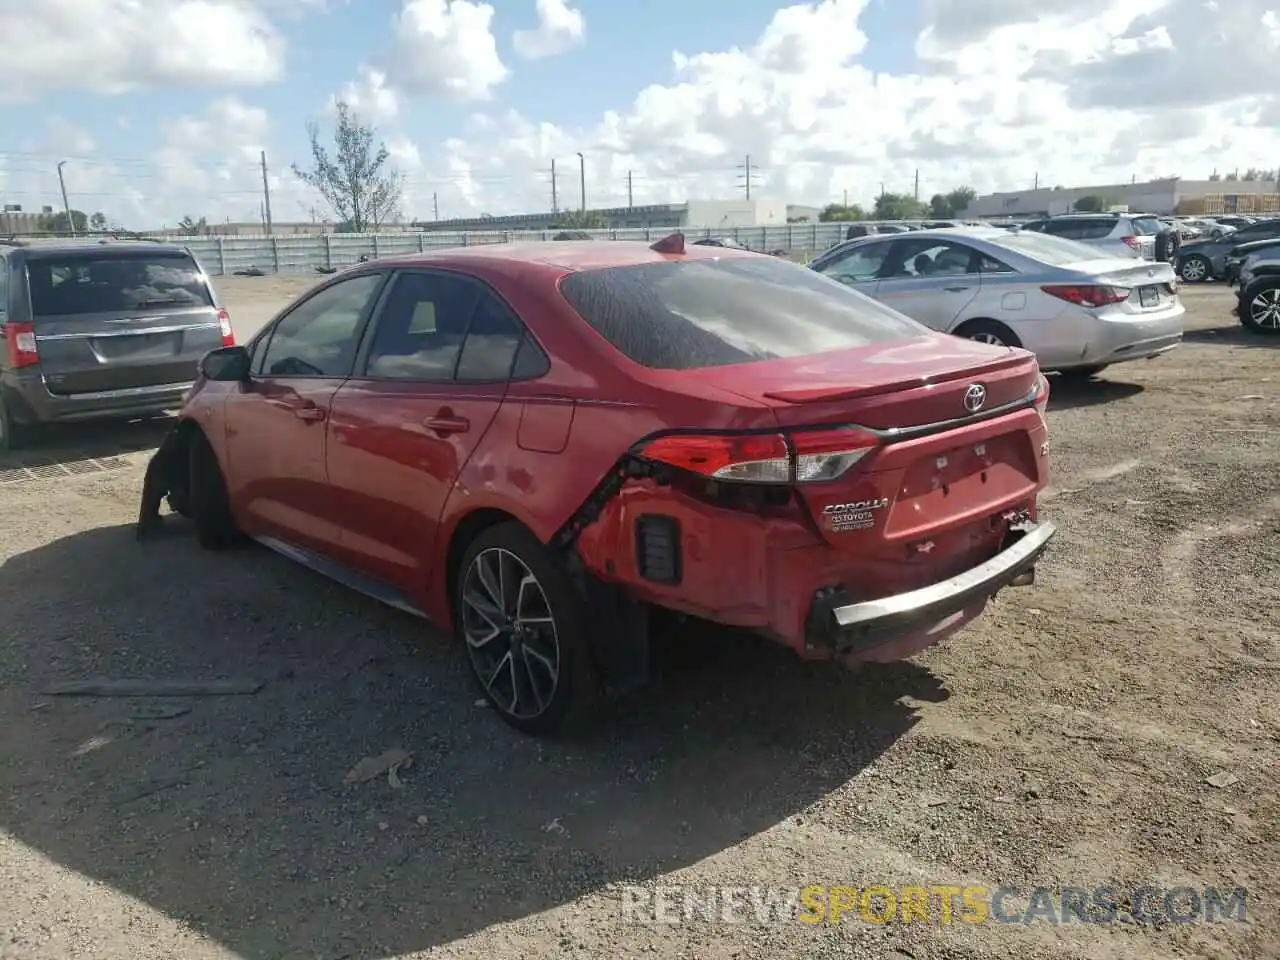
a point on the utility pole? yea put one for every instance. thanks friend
(582, 179)
(747, 174)
(630, 197)
(71, 224)
(266, 194)
(916, 193)
(846, 198)
(435, 205)
(1036, 184)
(555, 203)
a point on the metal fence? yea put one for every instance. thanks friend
(221, 256)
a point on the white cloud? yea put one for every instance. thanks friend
(114, 46)
(369, 97)
(560, 28)
(445, 47)
(1006, 91)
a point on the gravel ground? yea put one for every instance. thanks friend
(1065, 740)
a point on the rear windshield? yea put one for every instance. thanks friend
(711, 313)
(1057, 251)
(80, 284)
(1146, 226)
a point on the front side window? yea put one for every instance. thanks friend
(860, 265)
(319, 337)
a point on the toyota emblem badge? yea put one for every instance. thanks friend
(975, 397)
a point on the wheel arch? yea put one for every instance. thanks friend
(958, 329)
(468, 527)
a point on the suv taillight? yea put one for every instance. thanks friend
(20, 339)
(224, 326)
(1087, 295)
(802, 457)
(1133, 242)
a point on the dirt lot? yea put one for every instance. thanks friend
(1063, 741)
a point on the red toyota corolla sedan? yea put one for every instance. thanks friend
(540, 444)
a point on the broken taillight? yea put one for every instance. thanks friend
(805, 456)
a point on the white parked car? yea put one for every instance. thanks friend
(1076, 309)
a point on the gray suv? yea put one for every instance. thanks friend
(1117, 235)
(100, 328)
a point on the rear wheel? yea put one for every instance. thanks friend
(13, 435)
(521, 620)
(207, 501)
(989, 331)
(1260, 307)
(1195, 269)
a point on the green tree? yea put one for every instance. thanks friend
(839, 213)
(898, 206)
(98, 222)
(960, 198)
(939, 207)
(581, 220)
(356, 180)
(58, 222)
(1092, 203)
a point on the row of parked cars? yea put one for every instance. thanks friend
(544, 448)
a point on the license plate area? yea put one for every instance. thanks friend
(142, 346)
(1149, 296)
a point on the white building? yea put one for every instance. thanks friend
(1153, 196)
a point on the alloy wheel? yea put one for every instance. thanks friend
(987, 337)
(1193, 270)
(510, 633)
(1265, 309)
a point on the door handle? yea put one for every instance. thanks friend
(955, 289)
(309, 413)
(445, 424)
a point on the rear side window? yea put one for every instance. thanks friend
(1047, 249)
(80, 284)
(710, 313)
(1146, 226)
(1082, 228)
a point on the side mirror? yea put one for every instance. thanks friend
(229, 365)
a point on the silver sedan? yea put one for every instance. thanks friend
(1076, 310)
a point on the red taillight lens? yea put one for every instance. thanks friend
(20, 339)
(1087, 295)
(1172, 288)
(224, 325)
(813, 456)
(1133, 242)
(757, 458)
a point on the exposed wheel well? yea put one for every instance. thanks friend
(1006, 333)
(472, 525)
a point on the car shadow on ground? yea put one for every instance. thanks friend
(1066, 393)
(232, 815)
(71, 449)
(1231, 336)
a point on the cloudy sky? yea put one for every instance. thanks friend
(160, 107)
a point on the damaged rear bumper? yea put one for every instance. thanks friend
(853, 628)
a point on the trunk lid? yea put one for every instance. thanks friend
(110, 320)
(949, 481)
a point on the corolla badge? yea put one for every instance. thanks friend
(975, 397)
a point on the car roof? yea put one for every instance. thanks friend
(570, 256)
(40, 247)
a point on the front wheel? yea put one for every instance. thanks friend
(521, 621)
(1260, 307)
(989, 331)
(1195, 269)
(206, 498)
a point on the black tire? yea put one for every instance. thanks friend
(13, 435)
(1081, 374)
(565, 705)
(1260, 307)
(208, 504)
(988, 331)
(1195, 269)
